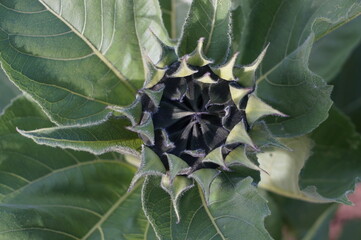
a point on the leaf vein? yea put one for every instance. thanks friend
(210, 215)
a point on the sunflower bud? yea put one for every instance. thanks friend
(197, 119)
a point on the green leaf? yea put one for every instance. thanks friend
(78, 60)
(176, 166)
(304, 219)
(150, 164)
(351, 229)
(321, 228)
(347, 88)
(218, 220)
(149, 22)
(204, 178)
(118, 29)
(7, 90)
(292, 82)
(41, 187)
(274, 221)
(290, 27)
(285, 25)
(329, 54)
(108, 136)
(211, 20)
(336, 156)
(174, 13)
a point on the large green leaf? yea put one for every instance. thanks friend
(174, 13)
(210, 20)
(7, 90)
(50, 193)
(292, 82)
(115, 28)
(77, 57)
(286, 25)
(331, 52)
(351, 229)
(235, 211)
(347, 88)
(273, 222)
(290, 27)
(335, 156)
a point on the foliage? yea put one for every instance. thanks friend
(85, 152)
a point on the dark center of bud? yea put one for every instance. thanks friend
(194, 117)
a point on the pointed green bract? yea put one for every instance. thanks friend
(154, 95)
(216, 157)
(176, 166)
(150, 165)
(238, 94)
(239, 134)
(145, 128)
(132, 112)
(183, 70)
(225, 71)
(166, 141)
(256, 109)
(246, 74)
(204, 177)
(239, 157)
(206, 78)
(168, 54)
(197, 57)
(262, 137)
(154, 75)
(176, 189)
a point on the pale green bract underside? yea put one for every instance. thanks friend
(313, 169)
(76, 58)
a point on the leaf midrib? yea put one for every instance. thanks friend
(111, 210)
(212, 27)
(81, 141)
(209, 214)
(56, 86)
